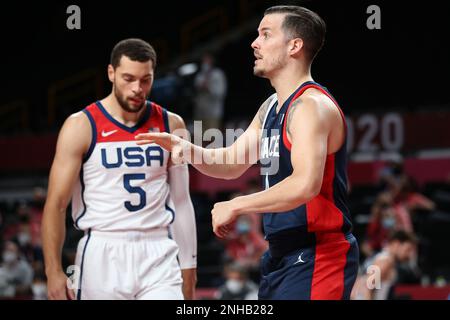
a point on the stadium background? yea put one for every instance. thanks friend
(391, 83)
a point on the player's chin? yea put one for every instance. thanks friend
(135, 105)
(258, 71)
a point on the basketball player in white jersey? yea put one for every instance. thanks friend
(400, 248)
(132, 202)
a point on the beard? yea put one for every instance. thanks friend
(125, 105)
(258, 72)
(275, 65)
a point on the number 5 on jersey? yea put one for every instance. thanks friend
(127, 178)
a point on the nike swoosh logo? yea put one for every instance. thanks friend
(106, 134)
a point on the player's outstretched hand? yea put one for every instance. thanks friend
(170, 142)
(164, 139)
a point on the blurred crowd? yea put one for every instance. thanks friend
(22, 273)
(391, 241)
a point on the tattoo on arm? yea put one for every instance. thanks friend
(290, 115)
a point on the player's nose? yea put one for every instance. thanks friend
(137, 87)
(255, 44)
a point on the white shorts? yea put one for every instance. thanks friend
(128, 265)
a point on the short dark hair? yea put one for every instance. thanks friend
(303, 23)
(403, 236)
(135, 50)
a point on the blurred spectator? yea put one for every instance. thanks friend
(211, 88)
(36, 212)
(166, 89)
(401, 248)
(245, 244)
(23, 239)
(392, 172)
(382, 223)
(409, 195)
(1, 224)
(39, 287)
(21, 214)
(407, 200)
(237, 285)
(16, 274)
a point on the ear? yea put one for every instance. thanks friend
(111, 73)
(295, 46)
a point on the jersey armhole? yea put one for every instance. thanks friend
(165, 120)
(94, 135)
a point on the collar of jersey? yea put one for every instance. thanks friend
(121, 125)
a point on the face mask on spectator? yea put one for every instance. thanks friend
(242, 227)
(234, 286)
(39, 291)
(9, 257)
(24, 238)
(388, 222)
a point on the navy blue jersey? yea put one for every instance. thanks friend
(328, 211)
(312, 253)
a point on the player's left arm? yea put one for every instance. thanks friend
(308, 125)
(183, 229)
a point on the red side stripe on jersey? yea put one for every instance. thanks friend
(286, 141)
(331, 248)
(329, 264)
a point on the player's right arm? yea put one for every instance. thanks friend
(224, 163)
(73, 142)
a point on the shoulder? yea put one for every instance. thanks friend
(268, 102)
(77, 121)
(313, 110)
(322, 103)
(175, 121)
(76, 132)
(265, 107)
(313, 101)
(314, 105)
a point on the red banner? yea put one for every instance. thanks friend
(404, 132)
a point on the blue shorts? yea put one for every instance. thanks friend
(324, 271)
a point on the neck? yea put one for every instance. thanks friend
(289, 79)
(117, 112)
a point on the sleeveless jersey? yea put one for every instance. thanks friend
(123, 186)
(328, 211)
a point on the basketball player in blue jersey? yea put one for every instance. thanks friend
(301, 135)
(132, 202)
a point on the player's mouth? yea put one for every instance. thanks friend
(136, 100)
(258, 57)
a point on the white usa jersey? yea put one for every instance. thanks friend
(123, 186)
